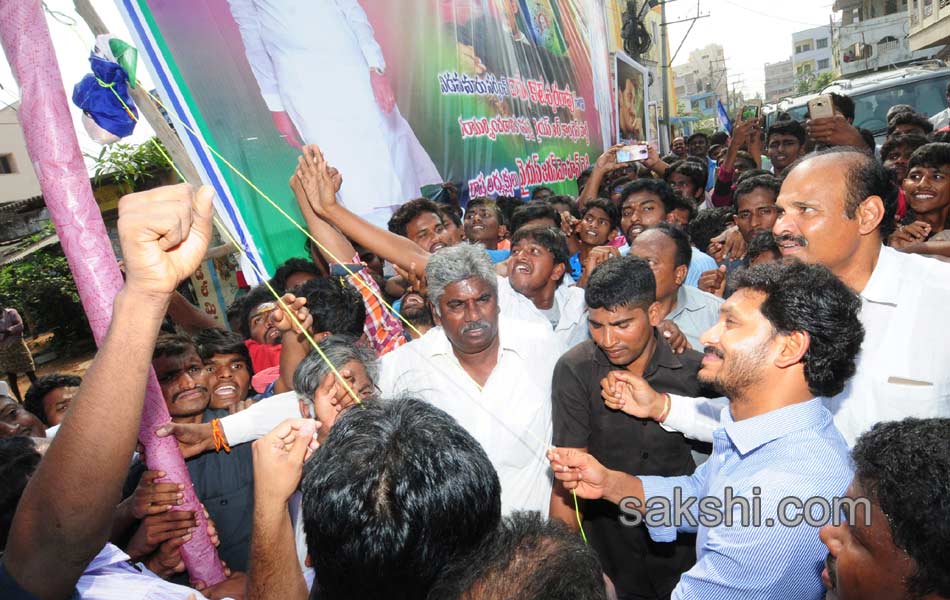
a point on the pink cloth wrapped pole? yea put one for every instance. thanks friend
(54, 150)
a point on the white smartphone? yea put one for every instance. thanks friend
(633, 152)
(821, 107)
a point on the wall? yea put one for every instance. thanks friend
(22, 184)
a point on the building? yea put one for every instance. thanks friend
(702, 80)
(779, 80)
(812, 52)
(929, 25)
(873, 35)
(17, 178)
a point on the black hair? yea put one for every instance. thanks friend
(762, 242)
(550, 238)
(540, 190)
(909, 118)
(787, 127)
(720, 138)
(697, 173)
(753, 173)
(397, 490)
(698, 134)
(623, 281)
(33, 399)
(904, 466)
(684, 251)
(249, 302)
(399, 222)
(528, 558)
(747, 158)
(173, 344)
(902, 140)
(708, 224)
(655, 186)
(750, 184)
(933, 156)
(811, 299)
(611, 210)
(939, 136)
(568, 200)
(451, 212)
(212, 342)
(288, 268)
(536, 209)
(864, 177)
(681, 202)
(844, 104)
(582, 178)
(335, 305)
(493, 204)
(19, 459)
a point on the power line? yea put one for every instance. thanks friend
(767, 15)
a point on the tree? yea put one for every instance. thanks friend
(809, 83)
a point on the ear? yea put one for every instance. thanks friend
(558, 272)
(654, 313)
(304, 410)
(679, 274)
(793, 350)
(870, 213)
(435, 314)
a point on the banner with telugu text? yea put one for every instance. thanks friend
(499, 96)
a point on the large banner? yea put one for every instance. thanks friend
(499, 96)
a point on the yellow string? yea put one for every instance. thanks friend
(577, 515)
(240, 248)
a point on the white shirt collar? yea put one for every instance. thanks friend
(884, 283)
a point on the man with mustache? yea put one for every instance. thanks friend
(835, 209)
(492, 373)
(896, 547)
(788, 336)
(224, 481)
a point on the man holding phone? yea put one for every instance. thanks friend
(830, 121)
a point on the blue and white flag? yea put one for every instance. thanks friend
(723, 117)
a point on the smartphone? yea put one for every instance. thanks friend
(633, 152)
(751, 110)
(820, 107)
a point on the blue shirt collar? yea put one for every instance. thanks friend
(748, 434)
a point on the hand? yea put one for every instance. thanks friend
(672, 334)
(834, 131)
(624, 391)
(653, 157)
(469, 62)
(733, 246)
(608, 160)
(330, 399)
(151, 498)
(193, 439)
(578, 471)
(240, 405)
(417, 283)
(714, 282)
(905, 235)
(598, 256)
(164, 233)
(569, 224)
(235, 586)
(158, 529)
(292, 315)
(279, 458)
(741, 130)
(285, 127)
(382, 90)
(316, 181)
(167, 560)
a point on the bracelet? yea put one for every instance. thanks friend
(218, 436)
(666, 409)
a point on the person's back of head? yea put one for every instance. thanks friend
(809, 298)
(844, 105)
(564, 203)
(293, 272)
(719, 138)
(336, 306)
(528, 558)
(397, 491)
(752, 173)
(762, 248)
(534, 211)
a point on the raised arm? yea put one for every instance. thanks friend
(65, 514)
(385, 244)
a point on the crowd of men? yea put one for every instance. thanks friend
(723, 373)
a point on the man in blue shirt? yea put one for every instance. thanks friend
(788, 336)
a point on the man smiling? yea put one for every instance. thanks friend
(225, 354)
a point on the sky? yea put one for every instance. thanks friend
(752, 33)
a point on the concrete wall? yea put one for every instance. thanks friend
(22, 184)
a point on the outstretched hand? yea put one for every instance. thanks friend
(164, 233)
(579, 471)
(316, 181)
(279, 457)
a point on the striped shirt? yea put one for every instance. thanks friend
(382, 328)
(793, 451)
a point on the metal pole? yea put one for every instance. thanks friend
(665, 77)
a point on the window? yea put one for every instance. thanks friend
(822, 43)
(804, 47)
(822, 64)
(7, 164)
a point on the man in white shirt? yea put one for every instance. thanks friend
(942, 118)
(832, 212)
(490, 372)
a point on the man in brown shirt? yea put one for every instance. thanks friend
(621, 296)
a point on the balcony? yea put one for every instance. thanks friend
(877, 43)
(929, 23)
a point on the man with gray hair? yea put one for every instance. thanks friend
(490, 372)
